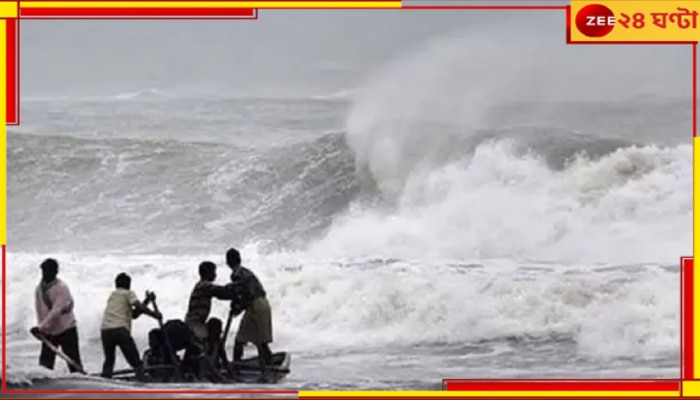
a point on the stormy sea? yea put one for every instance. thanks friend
(475, 204)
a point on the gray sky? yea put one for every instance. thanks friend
(284, 52)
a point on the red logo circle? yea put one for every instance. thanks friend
(595, 20)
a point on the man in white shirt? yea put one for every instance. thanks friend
(56, 321)
(122, 306)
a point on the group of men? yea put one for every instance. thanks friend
(199, 336)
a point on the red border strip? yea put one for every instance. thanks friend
(12, 71)
(571, 385)
(137, 12)
(687, 307)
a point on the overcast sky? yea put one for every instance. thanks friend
(286, 51)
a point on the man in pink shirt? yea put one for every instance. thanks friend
(56, 321)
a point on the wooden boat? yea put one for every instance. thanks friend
(245, 371)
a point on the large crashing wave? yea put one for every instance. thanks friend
(525, 152)
(538, 188)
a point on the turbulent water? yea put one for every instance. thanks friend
(431, 223)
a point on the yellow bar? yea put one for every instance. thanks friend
(486, 394)
(691, 388)
(210, 4)
(696, 251)
(8, 9)
(3, 137)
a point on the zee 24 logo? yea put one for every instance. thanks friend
(595, 20)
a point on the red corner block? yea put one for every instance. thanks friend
(561, 385)
(11, 72)
(137, 12)
(687, 309)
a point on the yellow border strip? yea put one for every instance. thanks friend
(3, 134)
(210, 4)
(341, 394)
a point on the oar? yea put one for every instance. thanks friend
(227, 329)
(166, 339)
(59, 352)
(223, 339)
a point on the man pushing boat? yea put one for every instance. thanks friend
(256, 324)
(122, 306)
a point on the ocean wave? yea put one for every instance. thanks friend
(321, 305)
(168, 194)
